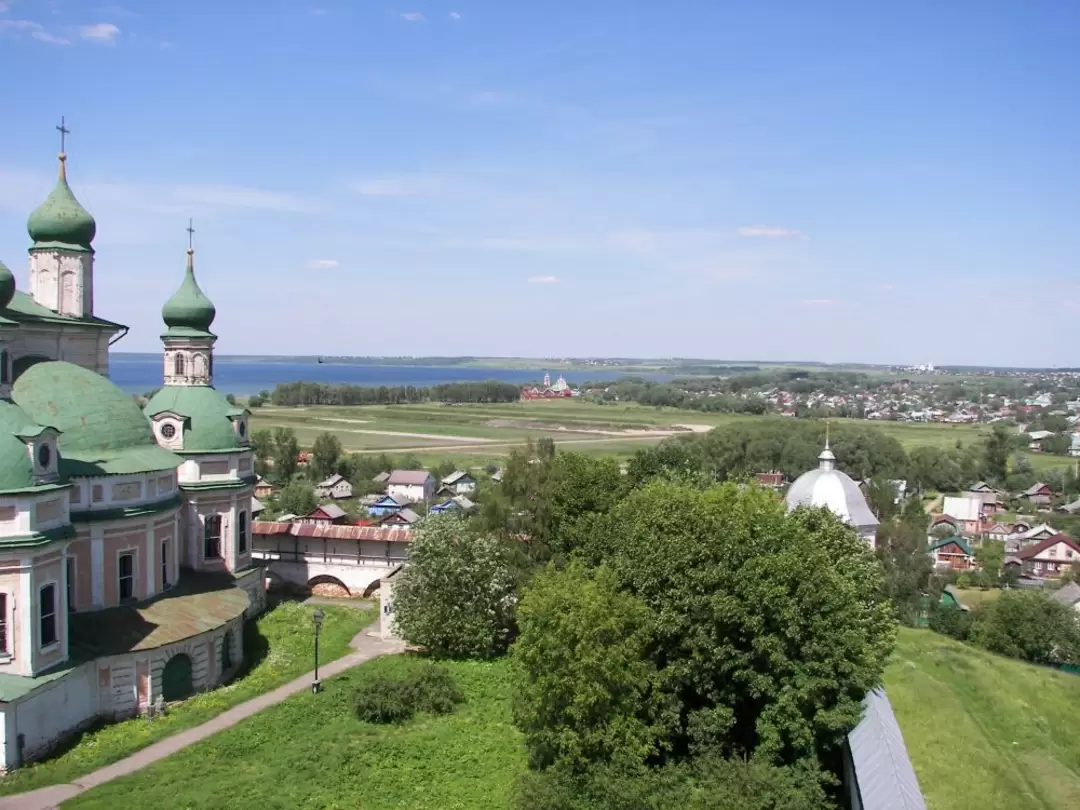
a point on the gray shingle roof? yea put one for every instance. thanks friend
(409, 477)
(886, 780)
(1067, 594)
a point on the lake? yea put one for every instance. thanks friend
(137, 373)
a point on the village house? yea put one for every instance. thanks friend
(1050, 557)
(967, 511)
(460, 482)
(1035, 439)
(383, 505)
(770, 480)
(952, 552)
(458, 503)
(998, 532)
(381, 479)
(1028, 537)
(1038, 494)
(1068, 594)
(263, 488)
(402, 517)
(334, 487)
(415, 485)
(326, 514)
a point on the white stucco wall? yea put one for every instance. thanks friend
(48, 713)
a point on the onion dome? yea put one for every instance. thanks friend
(61, 221)
(7, 286)
(189, 311)
(836, 491)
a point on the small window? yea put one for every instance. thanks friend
(165, 565)
(5, 367)
(178, 365)
(242, 533)
(241, 428)
(3, 624)
(71, 584)
(44, 456)
(212, 537)
(168, 430)
(47, 613)
(127, 577)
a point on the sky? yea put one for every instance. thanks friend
(882, 182)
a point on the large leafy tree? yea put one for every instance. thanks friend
(905, 563)
(325, 456)
(768, 629)
(584, 678)
(455, 596)
(285, 454)
(996, 451)
(297, 497)
(1030, 626)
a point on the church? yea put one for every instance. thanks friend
(125, 532)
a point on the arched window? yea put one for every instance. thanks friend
(5, 370)
(212, 537)
(178, 365)
(242, 530)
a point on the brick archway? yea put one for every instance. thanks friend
(326, 585)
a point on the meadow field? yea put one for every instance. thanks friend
(487, 432)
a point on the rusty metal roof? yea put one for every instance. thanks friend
(389, 534)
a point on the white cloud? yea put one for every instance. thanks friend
(322, 264)
(101, 33)
(49, 39)
(406, 185)
(4, 7)
(413, 16)
(544, 280)
(768, 231)
(455, 15)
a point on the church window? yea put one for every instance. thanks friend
(3, 625)
(165, 565)
(47, 615)
(70, 565)
(178, 365)
(5, 371)
(127, 577)
(212, 537)
(168, 430)
(242, 532)
(44, 456)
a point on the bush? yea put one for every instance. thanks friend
(1030, 626)
(949, 620)
(395, 698)
(710, 783)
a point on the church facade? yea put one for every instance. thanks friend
(125, 533)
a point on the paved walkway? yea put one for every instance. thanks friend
(366, 646)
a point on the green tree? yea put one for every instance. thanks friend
(991, 559)
(578, 629)
(771, 627)
(325, 456)
(881, 497)
(1030, 626)
(297, 498)
(455, 597)
(262, 449)
(285, 454)
(906, 565)
(996, 451)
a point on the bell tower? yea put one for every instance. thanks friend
(188, 316)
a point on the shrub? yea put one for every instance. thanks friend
(396, 697)
(1030, 626)
(949, 620)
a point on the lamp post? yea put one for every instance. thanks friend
(318, 617)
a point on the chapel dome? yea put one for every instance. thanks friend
(16, 467)
(7, 286)
(836, 491)
(188, 309)
(208, 416)
(102, 430)
(61, 220)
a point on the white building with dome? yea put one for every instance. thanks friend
(836, 491)
(125, 534)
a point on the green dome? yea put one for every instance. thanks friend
(189, 310)
(7, 286)
(103, 431)
(16, 468)
(60, 220)
(209, 426)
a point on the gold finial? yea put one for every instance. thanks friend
(64, 132)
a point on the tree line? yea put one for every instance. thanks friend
(310, 393)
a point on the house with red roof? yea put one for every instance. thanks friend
(1048, 558)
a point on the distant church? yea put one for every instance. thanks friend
(125, 533)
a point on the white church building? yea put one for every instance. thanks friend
(125, 533)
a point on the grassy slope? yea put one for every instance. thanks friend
(312, 752)
(279, 644)
(985, 732)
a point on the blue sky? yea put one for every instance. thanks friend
(837, 181)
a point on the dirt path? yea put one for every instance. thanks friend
(367, 645)
(495, 444)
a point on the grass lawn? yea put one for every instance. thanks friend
(972, 597)
(985, 732)
(278, 646)
(312, 752)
